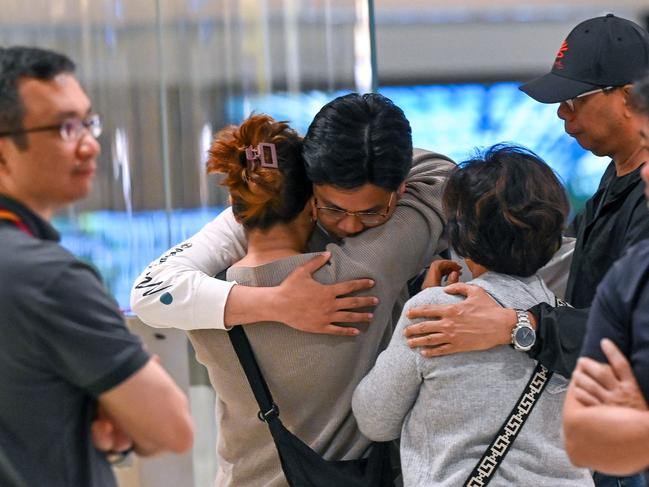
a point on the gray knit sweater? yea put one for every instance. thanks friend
(447, 410)
(312, 377)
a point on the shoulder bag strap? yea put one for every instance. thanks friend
(267, 408)
(495, 454)
(12, 217)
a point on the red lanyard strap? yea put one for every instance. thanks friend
(16, 220)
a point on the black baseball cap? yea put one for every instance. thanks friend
(599, 52)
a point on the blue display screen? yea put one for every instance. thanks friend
(453, 119)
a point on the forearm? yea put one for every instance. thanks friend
(386, 395)
(252, 304)
(179, 290)
(609, 439)
(151, 409)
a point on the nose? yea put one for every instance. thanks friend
(350, 224)
(564, 112)
(88, 146)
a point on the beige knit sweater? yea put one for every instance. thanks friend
(312, 377)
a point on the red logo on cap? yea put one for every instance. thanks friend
(560, 55)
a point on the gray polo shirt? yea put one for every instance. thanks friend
(63, 343)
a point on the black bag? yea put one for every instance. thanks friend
(302, 466)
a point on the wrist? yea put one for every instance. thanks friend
(523, 334)
(533, 321)
(247, 305)
(509, 321)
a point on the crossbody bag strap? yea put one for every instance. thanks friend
(267, 408)
(495, 454)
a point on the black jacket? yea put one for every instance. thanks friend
(615, 218)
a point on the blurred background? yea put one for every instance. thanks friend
(166, 74)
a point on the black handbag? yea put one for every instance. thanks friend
(302, 466)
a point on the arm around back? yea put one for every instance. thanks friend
(151, 409)
(179, 289)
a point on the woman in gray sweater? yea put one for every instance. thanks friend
(505, 217)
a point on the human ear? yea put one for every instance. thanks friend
(314, 210)
(627, 101)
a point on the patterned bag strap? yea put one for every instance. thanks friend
(495, 454)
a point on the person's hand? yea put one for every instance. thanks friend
(440, 269)
(477, 323)
(106, 435)
(307, 305)
(611, 384)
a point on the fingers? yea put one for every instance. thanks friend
(593, 380)
(463, 289)
(431, 340)
(315, 263)
(450, 265)
(356, 302)
(438, 351)
(430, 311)
(424, 328)
(351, 317)
(453, 277)
(102, 432)
(459, 288)
(121, 441)
(600, 373)
(337, 330)
(347, 287)
(619, 363)
(585, 398)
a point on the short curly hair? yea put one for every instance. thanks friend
(506, 210)
(261, 197)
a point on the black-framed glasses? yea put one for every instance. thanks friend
(367, 218)
(70, 129)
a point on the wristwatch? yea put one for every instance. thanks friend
(523, 335)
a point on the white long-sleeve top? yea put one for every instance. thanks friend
(178, 290)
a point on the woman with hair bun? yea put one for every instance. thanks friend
(506, 211)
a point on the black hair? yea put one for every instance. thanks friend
(506, 210)
(358, 139)
(19, 62)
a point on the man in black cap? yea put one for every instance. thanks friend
(591, 79)
(601, 431)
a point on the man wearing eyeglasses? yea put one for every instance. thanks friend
(379, 216)
(70, 368)
(358, 153)
(591, 80)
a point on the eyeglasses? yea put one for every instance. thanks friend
(71, 129)
(367, 218)
(571, 102)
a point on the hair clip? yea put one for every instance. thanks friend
(254, 154)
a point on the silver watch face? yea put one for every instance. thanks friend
(524, 337)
